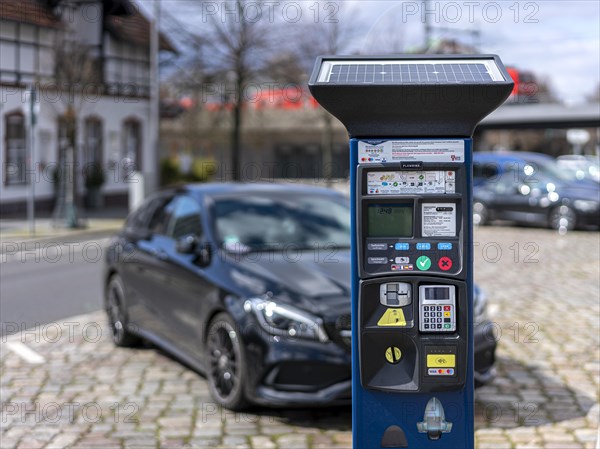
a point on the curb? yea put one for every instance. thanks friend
(61, 323)
(23, 239)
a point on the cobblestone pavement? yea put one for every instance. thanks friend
(78, 391)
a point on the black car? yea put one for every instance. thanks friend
(250, 285)
(531, 188)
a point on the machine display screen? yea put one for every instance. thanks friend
(390, 220)
(439, 293)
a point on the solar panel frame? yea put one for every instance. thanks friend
(409, 99)
(398, 72)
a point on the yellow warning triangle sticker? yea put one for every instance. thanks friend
(392, 317)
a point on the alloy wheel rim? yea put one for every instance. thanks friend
(563, 217)
(224, 359)
(113, 310)
(479, 214)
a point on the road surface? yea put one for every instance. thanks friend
(42, 282)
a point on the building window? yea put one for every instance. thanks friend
(93, 142)
(16, 150)
(132, 143)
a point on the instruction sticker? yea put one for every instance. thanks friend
(410, 182)
(381, 152)
(439, 219)
(392, 317)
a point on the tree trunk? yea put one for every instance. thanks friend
(236, 131)
(66, 212)
(327, 149)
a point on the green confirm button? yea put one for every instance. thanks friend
(423, 263)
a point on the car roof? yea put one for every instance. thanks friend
(510, 156)
(239, 188)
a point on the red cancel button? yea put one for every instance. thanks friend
(445, 263)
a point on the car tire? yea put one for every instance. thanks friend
(114, 305)
(226, 363)
(481, 215)
(562, 218)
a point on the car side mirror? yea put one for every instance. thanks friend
(187, 244)
(191, 244)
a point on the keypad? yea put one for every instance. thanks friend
(437, 317)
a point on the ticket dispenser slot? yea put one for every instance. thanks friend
(395, 294)
(410, 119)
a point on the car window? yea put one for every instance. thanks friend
(505, 184)
(551, 171)
(183, 217)
(159, 220)
(139, 219)
(270, 221)
(488, 171)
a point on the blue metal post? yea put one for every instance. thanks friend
(375, 411)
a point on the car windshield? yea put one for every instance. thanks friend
(278, 221)
(551, 170)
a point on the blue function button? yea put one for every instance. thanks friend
(444, 246)
(423, 246)
(401, 246)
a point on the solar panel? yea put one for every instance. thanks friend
(452, 71)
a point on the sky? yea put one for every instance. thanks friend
(559, 41)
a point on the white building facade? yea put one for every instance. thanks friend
(112, 110)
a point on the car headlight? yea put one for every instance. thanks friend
(586, 205)
(285, 320)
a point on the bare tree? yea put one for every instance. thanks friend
(75, 71)
(239, 48)
(326, 38)
(389, 34)
(285, 68)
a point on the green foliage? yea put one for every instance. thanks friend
(169, 172)
(202, 170)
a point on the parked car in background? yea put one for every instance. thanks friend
(250, 285)
(531, 188)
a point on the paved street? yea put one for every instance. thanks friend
(43, 281)
(65, 385)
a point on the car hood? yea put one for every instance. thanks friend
(317, 281)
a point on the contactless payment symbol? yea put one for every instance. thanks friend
(423, 263)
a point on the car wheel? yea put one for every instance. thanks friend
(117, 317)
(480, 214)
(226, 364)
(562, 218)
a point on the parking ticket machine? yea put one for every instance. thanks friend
(410, 119)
